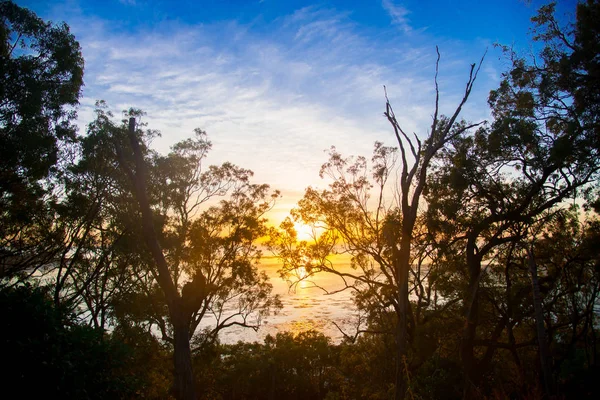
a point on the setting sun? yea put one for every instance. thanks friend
(305, 232)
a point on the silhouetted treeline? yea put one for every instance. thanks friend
(474, 246)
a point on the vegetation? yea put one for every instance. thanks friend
(493, 197)
(474, 256)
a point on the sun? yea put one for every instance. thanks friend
(304, 232)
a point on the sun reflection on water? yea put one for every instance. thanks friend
(304, 325)
(306, 307)
(301, 272)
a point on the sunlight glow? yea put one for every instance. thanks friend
(301, 272)
(304, 232)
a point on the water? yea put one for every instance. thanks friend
(306, 308)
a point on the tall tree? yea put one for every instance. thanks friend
(381, 238)
(41, 74)
(199, 227)
(539, 151)
(413, 179)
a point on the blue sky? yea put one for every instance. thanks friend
(275, 83)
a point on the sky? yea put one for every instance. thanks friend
(275, 83)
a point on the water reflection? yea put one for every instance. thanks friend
(307, 307)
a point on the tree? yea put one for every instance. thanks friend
(81, 249)
(380, 238)
(45, 344)
(199, 253)
(300, 366)
(540, 150)
(41, 69)
(97, 263)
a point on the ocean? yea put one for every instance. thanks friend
(307, 307)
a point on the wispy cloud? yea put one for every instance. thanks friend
(269, 102)
(398, 14)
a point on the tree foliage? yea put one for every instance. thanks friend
(42, 74)
(490, 195)
(372, 212)
(196, 229)
(41, 70)
(503, 186)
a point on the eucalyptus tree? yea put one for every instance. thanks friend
(41, 79)
(196, 230)
(97, 263)
(373, 215)
(55, 224)
(540, 151)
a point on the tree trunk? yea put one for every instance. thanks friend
(545, 359)
(184, 376)
(185, 388)
(402, 267)
(470, 327)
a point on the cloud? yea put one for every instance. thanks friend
(271, 100)
(398, 14)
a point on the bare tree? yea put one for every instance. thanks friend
(376, 227)
(413, 178)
